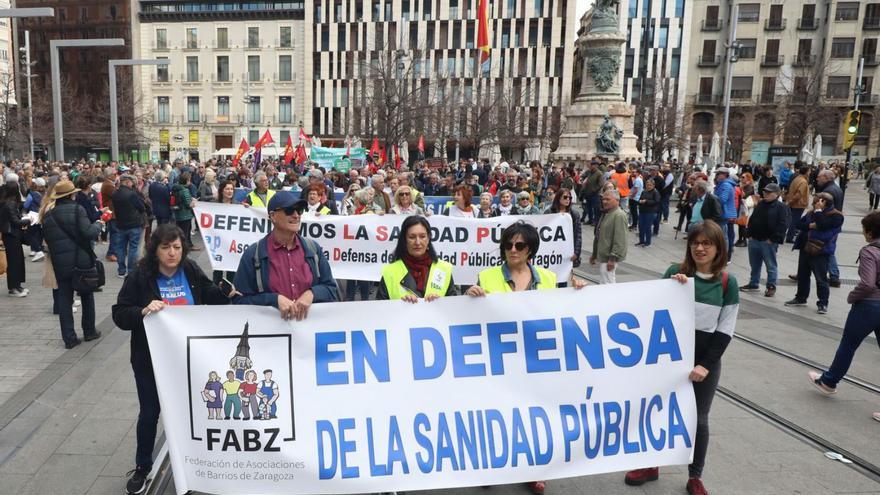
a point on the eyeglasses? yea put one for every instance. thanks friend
(403, 194)
(514, 246)
(703, 244)
(290, 210)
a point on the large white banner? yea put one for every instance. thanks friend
(358, 246)
(367, 397)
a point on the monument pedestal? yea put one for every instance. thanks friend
(583, 119)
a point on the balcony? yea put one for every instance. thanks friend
(160, 48)
(156, 80)
(709, 61)
(196, 119)
(224, 81)
(252, 78)
(837, 97)
(804, 60)
(706, 100)
(257, 45)
(772, 60)
(740, 94)
(190, 78)
(870, 100)
(871, 23)
(278, 46)
(767, 99)
(774, 24)
(221, 45)
(871, 59)
(711, 25)
(282, 79)
(191, 46)
(808, 24)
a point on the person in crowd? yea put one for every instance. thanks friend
(416, 272)
(609, 237)
(864, 314)
(69, 232)
(649, 204)
(635, 194)
(487, 207)
(364, 204)
(786, 174)
(524, 205)
(314, 194)
(461, 203)
(403, 199)
(183, 208)
(591, 189)
(747, 187)
(562, 204)
(548, 198)
(717, 297)
(348, 200)
(207, 189)
(684, 208)
(765, 178)
(165, 276)
(667, 188)
(85, 197)
(797, 198)
(872, 184)
(129, 210)
(108, 187)
(34, 232)
(381, 200)
(284, 269)
(816, 242)
(725, 191)
(225, 195)
(505, 203)
(621, 179)
(12, 229)
(519, 244)
(767, 226)
(261, 195)
(160, 197)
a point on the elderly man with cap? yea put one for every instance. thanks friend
(767, 226)
(284, 269)
(725, 191)
(129, 210)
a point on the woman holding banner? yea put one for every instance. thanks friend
(226, 196)
(519, 244)
(163, 277)
(717, 297)
(416, 272)
(562, 202)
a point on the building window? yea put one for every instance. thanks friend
(633, 10)
(679, 8)
(162, 39)
(285, 68)
(222, 37)
(253, 37)
(748, 48)
(192, 38)
(253, 135)
(283, 136)
(253, 64)
(162, 71)
(223, 68)
(192, 69)
(192, 109)
(838, 87)
(318, 10)
(222, 109)
(741, 87)
(254, 115)
(646, 8)
(749, 12)
(163, 111)
(843, 47)
(285, 110)
(663, 36)
(285, 40)
(847, 11)
(533, 34)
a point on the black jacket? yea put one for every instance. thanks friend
(128, 208)
(63, 249)
(711, 209)
(836, 193)
(769, 221)
(10, 219)
(651, 201)
(160, 196)
(139, 290)
(89, 204)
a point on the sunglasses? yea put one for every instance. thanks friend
(290, 210)
(403, 194)
(515, 246)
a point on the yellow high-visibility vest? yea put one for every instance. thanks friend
(492, 280)
(439, 278)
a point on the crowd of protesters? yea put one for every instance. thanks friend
(70, 208)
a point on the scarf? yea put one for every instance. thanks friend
(418, 268)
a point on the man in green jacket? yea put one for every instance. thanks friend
(594, 179)
(609, 239)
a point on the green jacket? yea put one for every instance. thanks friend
(609, 243)
(593, 183)
(183, 198)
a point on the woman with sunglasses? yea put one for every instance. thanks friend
(562, 204)
(519, 244)
(403, 199)
(416, 272)
(717, 306)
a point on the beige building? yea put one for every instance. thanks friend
(795, 75)
(232, 74)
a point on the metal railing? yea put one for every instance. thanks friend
(252, 77)
(289, 46)
(772, 60)
(774, 24)
(221, 46)
(740, 94)
(190, 78)
(709, 61)
(155, 79)
(250, 46)
(803, 60)
(808, 24)
(871, 59)
(283, 78)
(701, 99)
(711, 25)
(871, 23)
(767, 98)
(215, 78)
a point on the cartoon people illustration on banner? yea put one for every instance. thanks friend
(212, 396)
(268, 395)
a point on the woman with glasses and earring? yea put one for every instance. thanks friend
(562, 204)
(416, 272)
(404, 205)
(519, 244)
(717, 305)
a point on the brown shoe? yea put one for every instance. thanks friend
(770, 292)
(111, 257)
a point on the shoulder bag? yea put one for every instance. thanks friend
(84, 279)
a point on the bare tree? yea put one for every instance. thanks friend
(657, 119)
(10, 125)
(801, 108)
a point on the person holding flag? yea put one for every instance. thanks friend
(258, 148)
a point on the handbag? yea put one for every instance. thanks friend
(813, 247)
(84, 279)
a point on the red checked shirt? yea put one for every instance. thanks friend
(289, 274)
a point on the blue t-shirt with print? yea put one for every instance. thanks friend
(175, 290)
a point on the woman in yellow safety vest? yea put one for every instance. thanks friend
(519, 243)
(416, 272)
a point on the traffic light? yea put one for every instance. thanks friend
(851, 128)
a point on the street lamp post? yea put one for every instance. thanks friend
(54, 46)
(732, 52)
(114, 123)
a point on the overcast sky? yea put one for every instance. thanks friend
(582, 6)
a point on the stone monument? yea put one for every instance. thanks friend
(599, 122)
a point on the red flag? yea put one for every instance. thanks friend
(396, 157)
(374, 149)
(266, 139)
(483, 30)
(421, 144)
(242, 149)
(301, 156)
(348, 148)
(303, 137)
(383, 157)
(288, 151)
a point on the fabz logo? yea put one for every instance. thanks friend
(241, 391)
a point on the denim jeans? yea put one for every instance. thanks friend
(762, 253)
(818, 267)
(727, 228)
(664, 207)
(353, 286)
(862, 320)
(127, 242)
(65, 311)
(148, 417)
(111, 238)
(646, 224)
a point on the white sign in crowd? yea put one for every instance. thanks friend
(378, 396)
(358, 246)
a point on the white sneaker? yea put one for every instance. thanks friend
(876, 416)
(77, 303)
(38, 256)
(73, 309)
(18, 293)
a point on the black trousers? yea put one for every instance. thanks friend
(148, 416)
(704, 392)
(634, 212)
(14, 260)
(65, 311)
(186, 227)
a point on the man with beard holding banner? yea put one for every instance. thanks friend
(284, 269)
